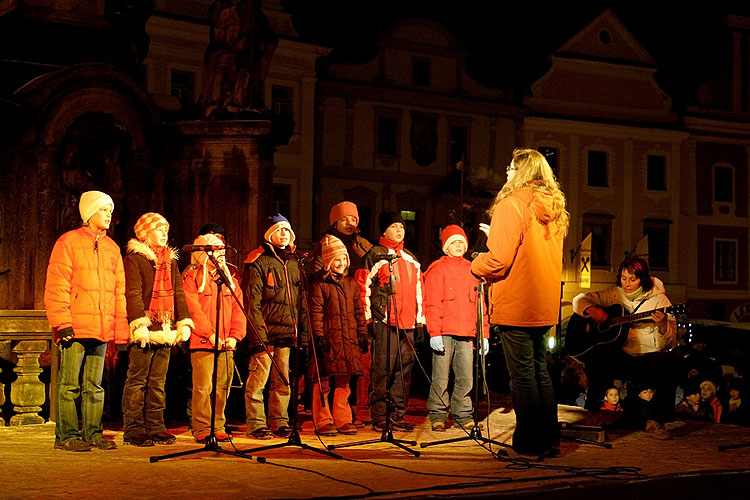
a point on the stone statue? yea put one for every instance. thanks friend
(237, 60)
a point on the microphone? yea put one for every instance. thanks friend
(202, 248)
(391, 256)
(474, 255)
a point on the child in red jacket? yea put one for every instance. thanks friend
(450, 299)
(199, 284)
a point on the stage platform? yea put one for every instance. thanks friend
(636, 466)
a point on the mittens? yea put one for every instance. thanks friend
(322, 344)
(437, 345)
(140, 336)
(364, 343)
(184, 333)
(230, 343)
(485, 346)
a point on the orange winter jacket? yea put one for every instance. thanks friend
(450, 299)
(85, 287)
(523, 262)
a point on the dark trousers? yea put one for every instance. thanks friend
(656, 370)
(531, 388)
(400, 359)
(143, 397)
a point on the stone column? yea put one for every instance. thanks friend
(229, 167)
(27, 392)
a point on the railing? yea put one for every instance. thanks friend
(29, 335)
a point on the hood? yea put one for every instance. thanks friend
(139, 247)
(540, 202)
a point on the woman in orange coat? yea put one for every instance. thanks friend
(524, 263)
(85, 300)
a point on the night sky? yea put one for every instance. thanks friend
(511, 41)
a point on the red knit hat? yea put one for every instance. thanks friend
(451, 233)
(331, 247)
(343, 209)
(147, 223)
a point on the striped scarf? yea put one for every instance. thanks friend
(161, 308)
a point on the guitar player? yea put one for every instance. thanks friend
(646, 356)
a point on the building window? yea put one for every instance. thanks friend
(597, 169)
(182, 86)
(282, 199)
(282, 101)
(723, 184)
(658, 242)
(550, 154)
(387, 136)
(656, 173)
(600, 227)
(411, 236)
(458, 144)
(725, 261)
(420, 72)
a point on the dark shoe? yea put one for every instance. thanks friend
(138, 440)
(201, 438)
(348, 429)
(327, 430)
(103, 443)
(283, 432)
(378, 426)
(438, 426)
(402, 426)
(75, 444)
(358, 423)
(261, 433)
(163, 438)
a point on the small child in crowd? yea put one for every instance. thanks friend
(201, 289)
(339, 329)
(450, 298)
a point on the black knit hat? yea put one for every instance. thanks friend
(385, 219)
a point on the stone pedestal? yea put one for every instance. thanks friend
(27, 393)
(224, 176)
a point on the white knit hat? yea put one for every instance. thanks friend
(91, 201)
(201, 258)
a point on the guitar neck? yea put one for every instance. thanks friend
(634, 317)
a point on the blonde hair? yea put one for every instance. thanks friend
(533, 171)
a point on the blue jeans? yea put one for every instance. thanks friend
(531, 388)
(90, 354)
(279, 393)
(459, 353)
(400, 360)
(143, 397)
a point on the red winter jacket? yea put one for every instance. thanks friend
(202, 307)
(85, 287)
(450, 299)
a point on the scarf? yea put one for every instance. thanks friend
(161, 308)
(611, 407)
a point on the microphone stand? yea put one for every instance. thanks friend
(212, 443)
(294, 438)
(387, 434)
(479, 360)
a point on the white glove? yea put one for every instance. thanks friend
(485, 228)
(436, 343)
(170, 336)
(157, 337)
(184, 334)
(140, 336)
(485, 346)
(211, 340)
(230, 343)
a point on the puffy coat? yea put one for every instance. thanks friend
(140, 268)
(356, 246)
(374, 280)
(524, 261)
(85, 287)
(450, 299)
(336, 312)
(265, 278)
(202, 307)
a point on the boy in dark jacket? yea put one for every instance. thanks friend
(270, 283)
(405, 315)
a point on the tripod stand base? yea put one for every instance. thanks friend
(385, 437)
(476, 435)
(294, 440)
(212, 446)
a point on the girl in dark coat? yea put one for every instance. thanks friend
(339, 328)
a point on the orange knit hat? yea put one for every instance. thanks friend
(343, 209)
(332, 247)
(147, 223)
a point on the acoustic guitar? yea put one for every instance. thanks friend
(584, 337)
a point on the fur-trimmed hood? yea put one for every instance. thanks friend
(139, 247)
